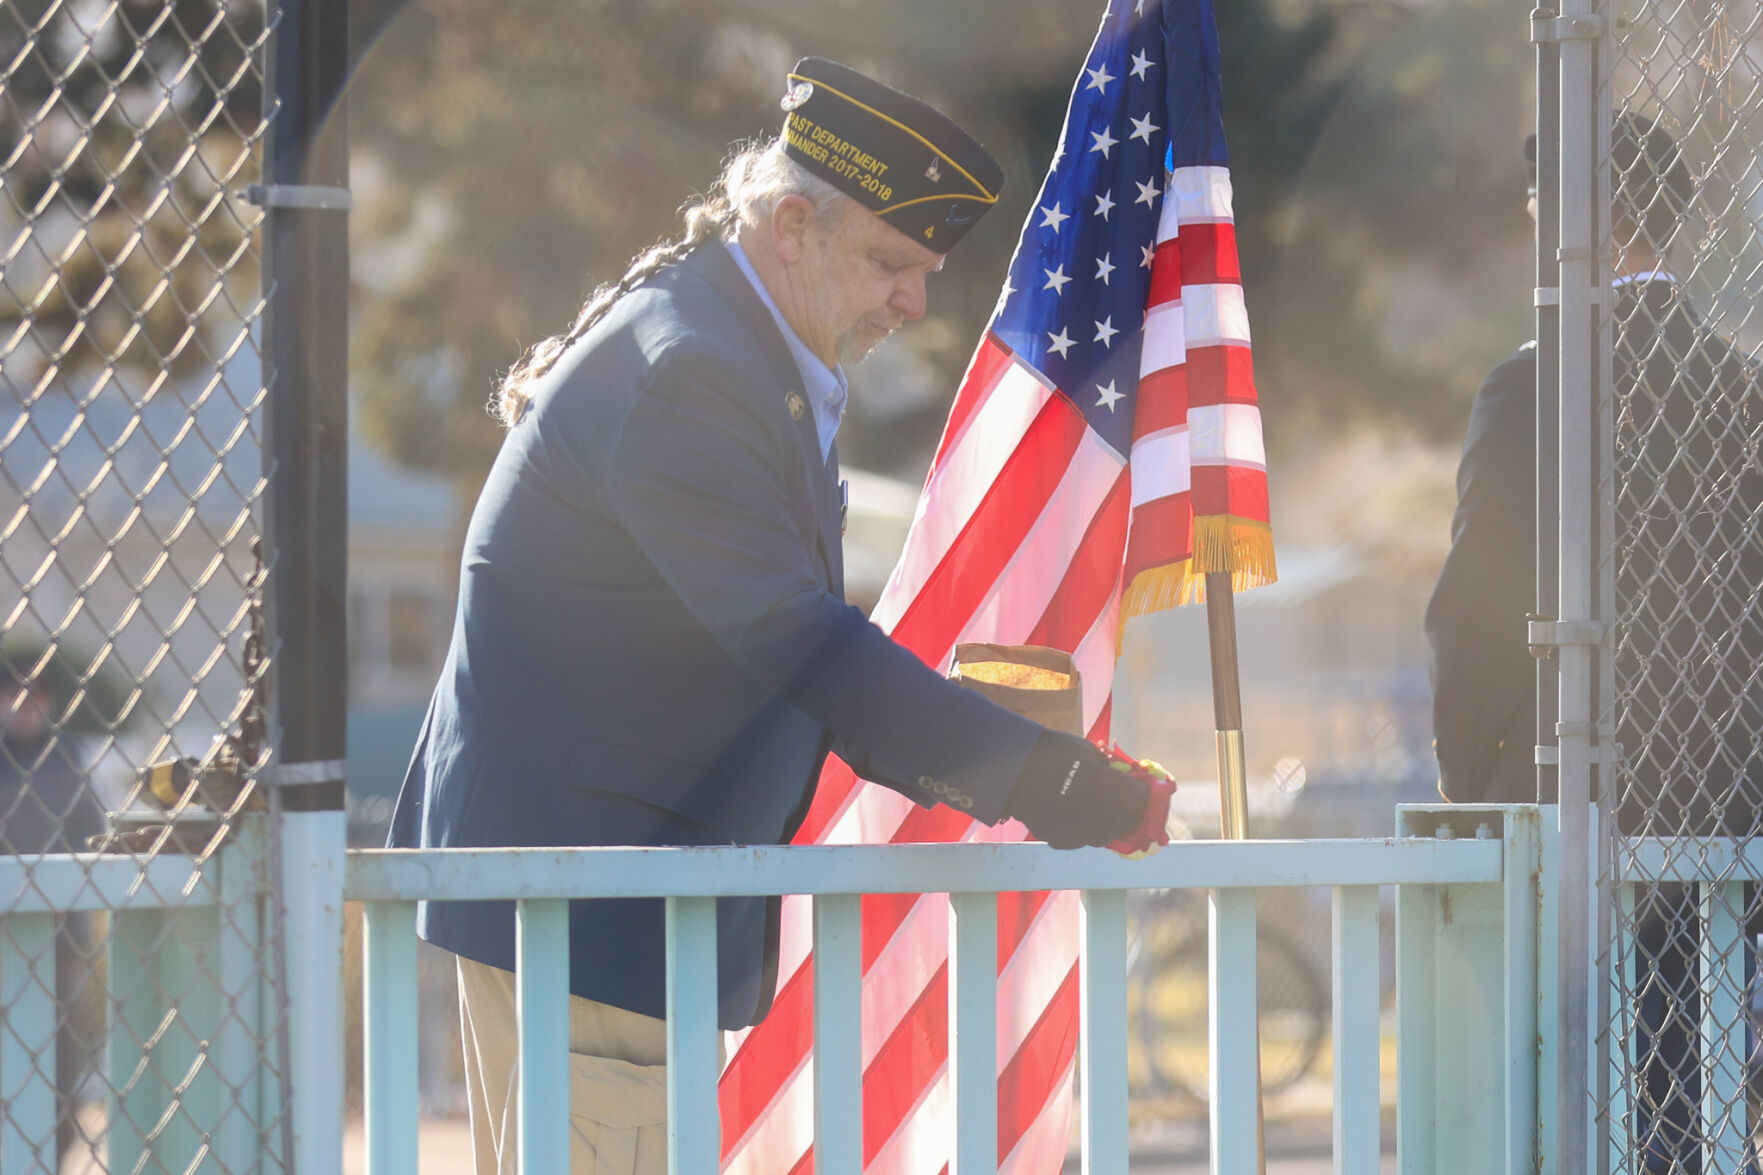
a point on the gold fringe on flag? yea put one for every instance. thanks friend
(1241, 546)
(1222, 542)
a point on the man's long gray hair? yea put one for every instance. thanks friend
(754, 178)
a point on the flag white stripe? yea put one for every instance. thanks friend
(1094, 658)
(1017, 601)
(1042, 1146)
(961, 482)
(1195, 195)
(1166, 338)
(1215, 316)
(902, 970)
(1160, 465)
(1035, 970)
(783, 1132)
(1226, 434)
(920, 1146)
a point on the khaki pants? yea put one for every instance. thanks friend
(618, 1080)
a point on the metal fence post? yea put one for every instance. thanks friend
(306, 282)
(1579, 32)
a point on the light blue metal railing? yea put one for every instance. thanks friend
(1472, 908)
(690, 879)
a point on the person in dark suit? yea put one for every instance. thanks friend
(652, 645)
(1689, 626)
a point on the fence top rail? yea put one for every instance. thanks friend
(492, 874)
(35, 883)
(1691, 858)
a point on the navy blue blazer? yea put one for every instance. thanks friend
(652, 645)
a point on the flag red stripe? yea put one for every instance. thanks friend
(1099, 729)
(980, 553)
(1209, 254)
(805, 1164)
(1045, 1052)
(913, 1053)
(1163, 401)
(990, 360)
(1223, 374)
(1090, 581)
(1165, 274)
(1162, 532)
(836, 781)
(1230, 489)
(769, 1055)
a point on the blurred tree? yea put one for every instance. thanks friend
(123, 127)
(510, 157)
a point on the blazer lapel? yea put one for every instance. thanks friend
(719, 269)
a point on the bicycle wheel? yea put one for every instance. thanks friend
(1167, 1001)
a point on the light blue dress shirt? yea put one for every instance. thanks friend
(825, 386)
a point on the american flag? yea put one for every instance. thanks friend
(1103, 453)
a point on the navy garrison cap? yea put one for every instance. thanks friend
(891, 153)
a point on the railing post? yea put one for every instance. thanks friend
(388, 1029)
(1103, 1031)
(1235, 1079)
(973, 1030)
(541, 978)
(1465, 1002)
(694, 1140)
(838, 1047)
(1724, 1021)
(1357, 1126)
(27, 1044)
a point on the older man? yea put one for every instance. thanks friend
(652, 646)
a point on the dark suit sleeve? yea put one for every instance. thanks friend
(698, 478)
(1483, 678)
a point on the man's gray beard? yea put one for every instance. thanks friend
(851, 350)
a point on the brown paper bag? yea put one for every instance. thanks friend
(1039, 683)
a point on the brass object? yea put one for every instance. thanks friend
(797, 405)
(1233, 786)
(1041, 684)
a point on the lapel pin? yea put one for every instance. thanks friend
(797, 405)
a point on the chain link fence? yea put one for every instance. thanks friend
(1680, 574)
(138, 998)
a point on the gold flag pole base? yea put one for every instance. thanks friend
(1233, 776)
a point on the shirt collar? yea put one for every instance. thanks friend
(825, 386)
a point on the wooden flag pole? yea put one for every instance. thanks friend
(1233, 780)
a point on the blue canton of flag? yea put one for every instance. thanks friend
(1074, 304)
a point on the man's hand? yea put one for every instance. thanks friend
(1069, 796)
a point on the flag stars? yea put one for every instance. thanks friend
(1060, 343)
(1056, 279)
(1140, 62)
(1148, 192)
(1104, 267)
(1053, 217)
(1144, 128)
(1104, 204)
(1148, 254)
(1104, 142)
(1105, 332)
(1107, 397)
(1099, 77)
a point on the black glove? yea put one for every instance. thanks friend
(1069, 796)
